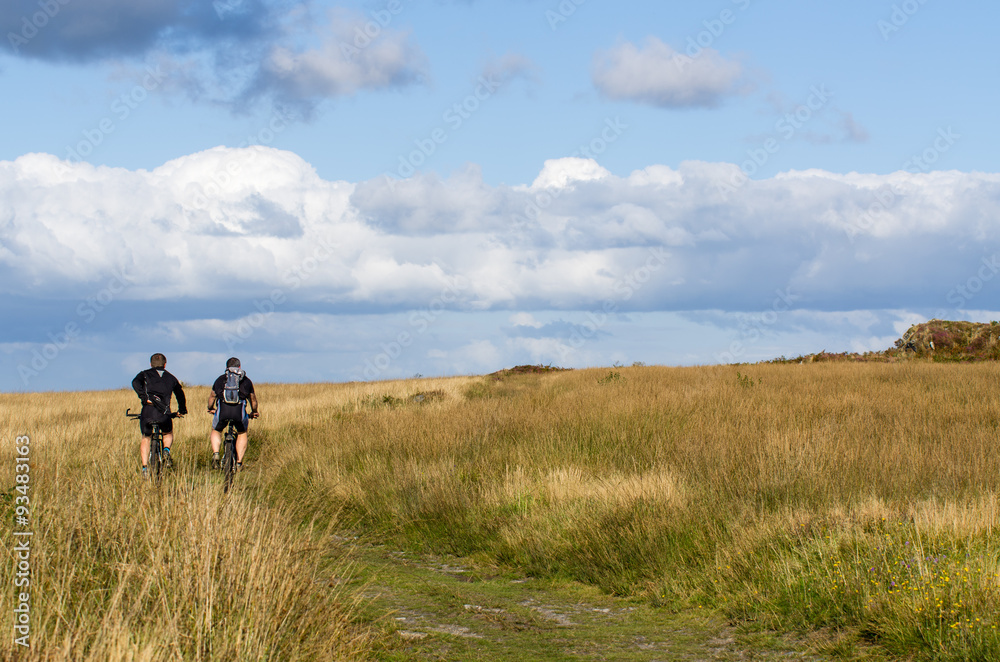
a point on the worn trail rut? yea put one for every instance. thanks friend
(435, 608)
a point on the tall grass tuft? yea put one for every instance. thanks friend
(123, 569)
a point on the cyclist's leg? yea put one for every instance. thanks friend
(166, 433)
(215, 436)
(165, 440)
(215, 439)
(243, 437)
(146, 434)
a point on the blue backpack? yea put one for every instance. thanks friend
(231, 391)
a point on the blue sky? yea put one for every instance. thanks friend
(348, 191)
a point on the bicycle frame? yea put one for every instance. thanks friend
(155, 444)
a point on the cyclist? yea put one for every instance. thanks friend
(228, 401)
(154, 388)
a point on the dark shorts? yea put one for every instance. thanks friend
(146, 426)
(225, 413)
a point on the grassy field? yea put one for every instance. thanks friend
(852, 504)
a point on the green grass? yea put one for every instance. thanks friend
(849, 507)
(441, 607)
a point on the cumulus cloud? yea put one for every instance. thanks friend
(657, 75)
(558, 173)
(428, 204)
(579, 238)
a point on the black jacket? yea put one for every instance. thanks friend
(158, 386)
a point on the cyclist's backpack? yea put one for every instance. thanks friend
(231, 391)
(155, 376)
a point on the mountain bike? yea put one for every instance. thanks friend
(229, 461)
(156, 459)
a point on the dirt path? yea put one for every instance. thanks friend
(433, 608)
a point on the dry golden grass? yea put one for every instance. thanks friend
(835, 433)
(783, 496)
(127, 570)
(796, 496)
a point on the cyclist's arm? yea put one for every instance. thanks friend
(139, 386)
(182, 409)
(253, 404)
(211, 401)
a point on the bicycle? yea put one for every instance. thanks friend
(229, 461)
(156, 459)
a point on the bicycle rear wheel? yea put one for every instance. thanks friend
(229, 461)
(156, 453)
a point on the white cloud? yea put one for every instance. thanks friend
(872, 343)
(346, 60)
(428, 204)
(905, 321)
(658, 75)
(558, 173)
(251, 221)
(547, 351)
(525, 319)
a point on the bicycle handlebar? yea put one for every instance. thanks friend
(129, 414)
